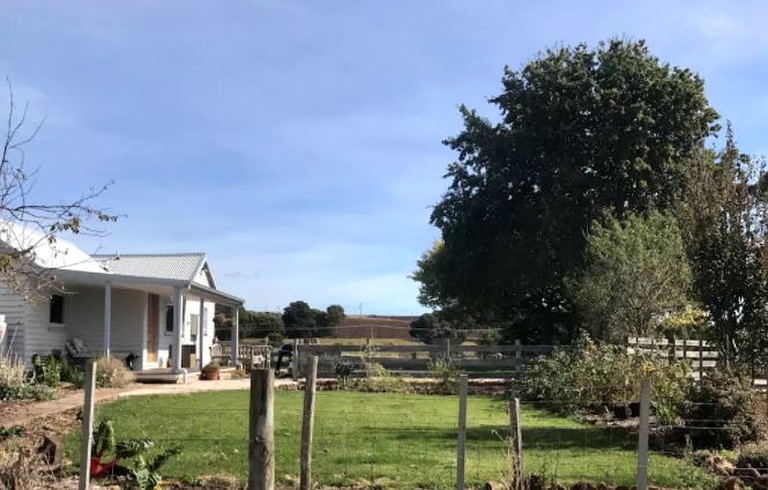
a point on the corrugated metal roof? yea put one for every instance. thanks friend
(58, 254)
(182, 266)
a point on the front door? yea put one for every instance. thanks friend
(153, 312)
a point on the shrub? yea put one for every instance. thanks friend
(379, 379)
(111, 373)
(343, 371)
(70, 372)
(15, 386)
(753, 456)
(212, 367)
(11, 377)
(37, 392)
(721, 411)
(47, 369)
(447, 375)
(597, 378)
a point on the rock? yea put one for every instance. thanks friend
(760, 483)
(51, 451)
(496, 485)
(534, 482)
(747, 474)
(721, 466)
(582, 485)
(732, 483)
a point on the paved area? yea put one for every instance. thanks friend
(27, 412)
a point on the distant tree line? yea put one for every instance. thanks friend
(298, 320)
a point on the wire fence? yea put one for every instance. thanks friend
(393, 440)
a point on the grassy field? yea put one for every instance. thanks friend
(396, 441)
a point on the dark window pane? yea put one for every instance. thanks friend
(169, 319)
(57, 309)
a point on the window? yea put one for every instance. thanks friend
(169, 318)
(193, 324)
(56, 314)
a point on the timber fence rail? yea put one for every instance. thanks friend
(700, 354)
(478, 361)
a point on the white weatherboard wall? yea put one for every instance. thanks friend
(84, 314)
(41, 336)
(14, 309)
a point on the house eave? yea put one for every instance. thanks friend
(217, 296)
(101, 279)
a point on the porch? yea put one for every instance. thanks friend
(168, 375)
(167, 326)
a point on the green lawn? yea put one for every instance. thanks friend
(397, 441)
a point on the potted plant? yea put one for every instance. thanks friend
(210, 371)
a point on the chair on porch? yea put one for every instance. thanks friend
(218, 354)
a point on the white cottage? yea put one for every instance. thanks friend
(116, 304)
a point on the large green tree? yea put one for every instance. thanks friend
(582, 131)
(724, 219)
(431, 326)
(637, 274)
(300, 320)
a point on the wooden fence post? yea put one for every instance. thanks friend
(685, 350)
(517, 443)
(295, 360)
(307, 427)
(261, 440)
(642, 437)
(701, 358)
(85, 444)
(448, 350)
(461, 447)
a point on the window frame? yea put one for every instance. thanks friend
(56, 310)
(169, 319)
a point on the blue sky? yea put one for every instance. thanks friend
(298, 143)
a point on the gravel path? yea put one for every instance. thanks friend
(23, 413)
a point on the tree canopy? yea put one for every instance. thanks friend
(582, 132)
(302, 321)
(50, 218)
(724, 219)
(636, 274)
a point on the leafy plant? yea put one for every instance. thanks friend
(145, 465)
(343, 371)
(721, 411)
(146, 468)
(447, 375)
(70, 372)
(15, 386)
(594, 378)
(13, 431)
(47, 369)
